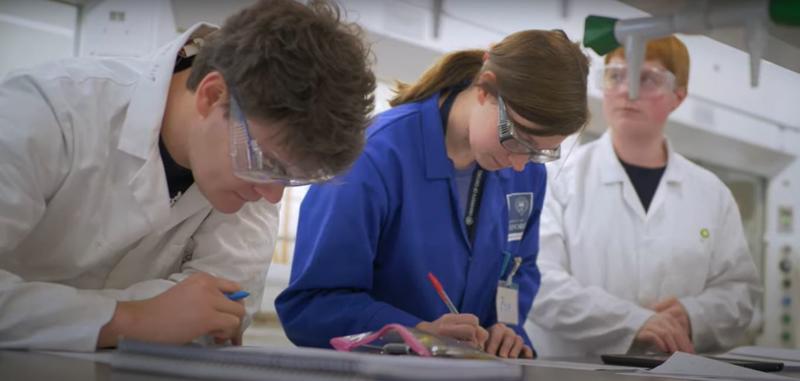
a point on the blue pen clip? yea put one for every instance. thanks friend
(241, 294)
(506, 260)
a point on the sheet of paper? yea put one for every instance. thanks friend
(698, 367)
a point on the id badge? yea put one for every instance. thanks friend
(520, 206)
(507, 303)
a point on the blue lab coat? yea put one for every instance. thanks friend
(367, 240)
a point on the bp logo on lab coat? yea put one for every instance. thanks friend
(520, 206)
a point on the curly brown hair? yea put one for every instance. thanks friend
(300, 66)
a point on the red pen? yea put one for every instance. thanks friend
(442, 294)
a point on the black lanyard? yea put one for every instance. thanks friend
(474, 204)
(476, 185)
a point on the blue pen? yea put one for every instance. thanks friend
(241, 294)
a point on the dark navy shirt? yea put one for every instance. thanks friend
(179, 179)
(645, 181)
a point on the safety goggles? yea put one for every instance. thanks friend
(511, 140)
(652, 81)
(254, 165)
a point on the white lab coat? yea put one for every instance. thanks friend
(604, 260)
(85, 216)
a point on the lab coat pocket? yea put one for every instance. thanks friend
(688, 265)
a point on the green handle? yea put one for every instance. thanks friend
(785, 12)
(598, 34)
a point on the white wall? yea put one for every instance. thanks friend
(125, 28)
(35, 31)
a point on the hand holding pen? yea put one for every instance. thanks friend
(463, 327)
(194, 307)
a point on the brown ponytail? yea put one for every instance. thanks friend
(450, 70)
(542, 75)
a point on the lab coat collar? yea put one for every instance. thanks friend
(140, 132)
(139, 135)
(675, 170)
(613, 172)
(437, 164)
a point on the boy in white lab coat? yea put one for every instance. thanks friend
(641, 249)
(132, 189)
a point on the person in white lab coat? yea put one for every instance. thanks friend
(131, 189)
(641, 249)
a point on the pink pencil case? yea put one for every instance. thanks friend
(398, 339)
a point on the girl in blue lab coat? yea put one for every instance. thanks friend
(450, 180)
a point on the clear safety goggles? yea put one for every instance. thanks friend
(511, 140)
(254, 165)
(652, 81)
